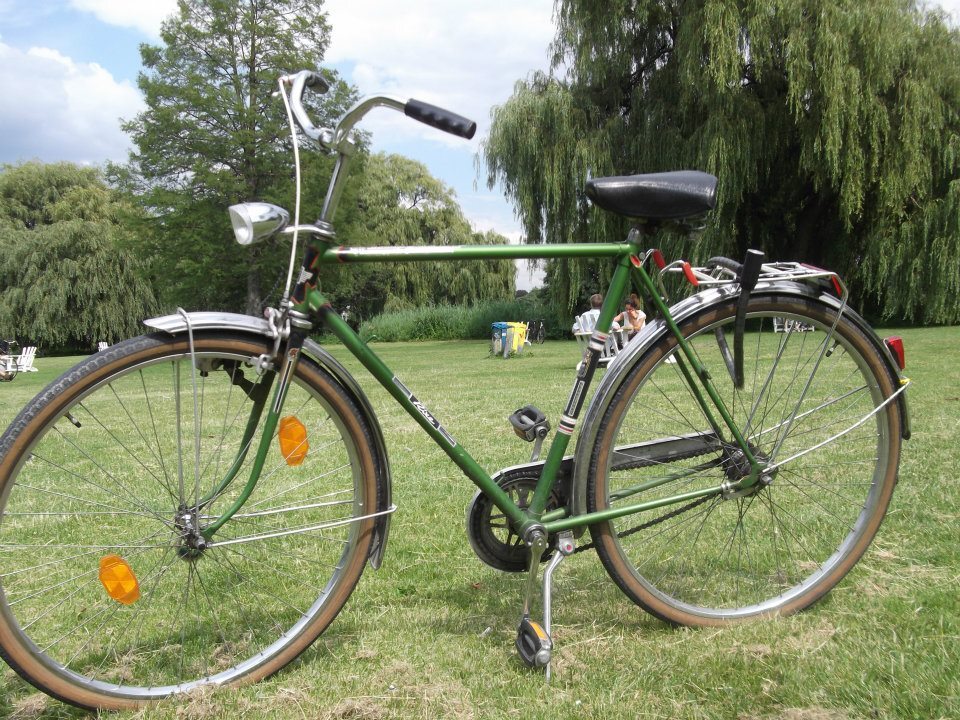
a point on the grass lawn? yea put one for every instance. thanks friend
(431, 633)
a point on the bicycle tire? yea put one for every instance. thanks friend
(776, 550)
(92, 468)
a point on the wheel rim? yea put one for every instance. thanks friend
(112, 486)
(780, 546)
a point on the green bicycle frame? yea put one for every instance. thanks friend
(629, 267)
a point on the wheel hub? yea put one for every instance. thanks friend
(192, 543)
(736, 467)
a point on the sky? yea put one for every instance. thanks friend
(68, 73)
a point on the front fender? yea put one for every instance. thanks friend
(234, 322)
(625, 361)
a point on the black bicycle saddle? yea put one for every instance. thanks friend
(655, 196)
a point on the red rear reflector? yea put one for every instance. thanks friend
(658, 259)
(896, 347)
(691, 278)
(635, 261)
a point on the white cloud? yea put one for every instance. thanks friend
(58, 109)
(143, 15)
(461, 56)
(952, 8)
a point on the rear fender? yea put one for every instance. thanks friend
(234, 322)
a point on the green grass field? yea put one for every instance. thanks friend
(430, 634)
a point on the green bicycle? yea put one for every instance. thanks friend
(195, 506)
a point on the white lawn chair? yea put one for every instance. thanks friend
(25, 361)
(585, 325)
(101, 346)
(785, 325)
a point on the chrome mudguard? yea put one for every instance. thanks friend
(234, 322)
(626, 360)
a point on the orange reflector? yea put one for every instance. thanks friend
(688, 272)
(118, 579)
(293, 440)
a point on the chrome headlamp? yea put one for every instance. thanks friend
(256, 221)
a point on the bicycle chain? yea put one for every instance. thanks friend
(644, 526)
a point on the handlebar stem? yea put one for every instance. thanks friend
(335, 188)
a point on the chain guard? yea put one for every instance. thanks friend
(489, 531)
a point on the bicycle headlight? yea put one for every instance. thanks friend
(256, 221)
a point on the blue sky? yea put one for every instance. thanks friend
(68, 73)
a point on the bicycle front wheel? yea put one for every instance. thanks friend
(107, 599)
(811, 407)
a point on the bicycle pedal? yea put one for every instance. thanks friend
(529, 423)
(533, 644)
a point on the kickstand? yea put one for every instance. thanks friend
(565, 546)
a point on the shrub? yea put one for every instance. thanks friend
(457, 322)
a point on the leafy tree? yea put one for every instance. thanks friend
(831, 124)
(394, 200)
(66, 280)
(213, 135)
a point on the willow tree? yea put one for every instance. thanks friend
(213, 134)
(67, 279)
(832, 125)
(394, 200)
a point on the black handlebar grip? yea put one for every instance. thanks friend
(440, 119)
(315, 82)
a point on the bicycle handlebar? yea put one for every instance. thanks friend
(432, 115)
(440, 119)
(301, 81)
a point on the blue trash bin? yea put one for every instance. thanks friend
(498, 337)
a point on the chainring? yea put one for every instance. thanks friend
(489, 531)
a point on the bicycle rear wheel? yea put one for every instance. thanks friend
(724, 557)
(114, 461)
